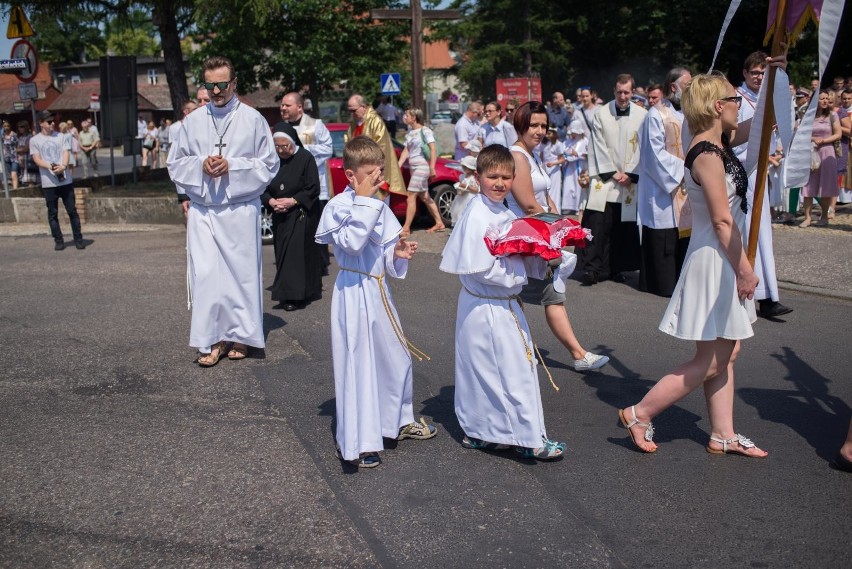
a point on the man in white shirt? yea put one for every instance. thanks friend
(467, 128)
(51, 151)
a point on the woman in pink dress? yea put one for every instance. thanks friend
(823, 181)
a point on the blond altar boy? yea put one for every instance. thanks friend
(372, 363)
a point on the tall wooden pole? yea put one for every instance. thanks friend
(766, 133)
(417, 56)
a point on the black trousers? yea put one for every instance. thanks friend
(52, 197)
(663, 253)
(614, 247)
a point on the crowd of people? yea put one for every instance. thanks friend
(688, 144)
(21, 169)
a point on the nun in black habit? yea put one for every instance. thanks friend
(293, 197)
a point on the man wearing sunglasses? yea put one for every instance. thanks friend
(223, 160)
(766, 293)
(51, 151)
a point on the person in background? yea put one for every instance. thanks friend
(389, 113)
(28, 169)
(845, 116)
(202, 96)
(50, 151)
(495, 130)
(90, 141)
(558, 115)
(163, 141)
(293, 197)
(420, 152)
(149, 145)
(510, 110)
(467, 128)
(823, 181)
(74, 139)
(10, 153)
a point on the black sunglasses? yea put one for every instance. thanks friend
(221, 84)
(737, 99)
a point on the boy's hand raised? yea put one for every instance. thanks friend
(405, 249)
(371, 184)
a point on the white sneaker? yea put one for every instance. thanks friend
(590, 361)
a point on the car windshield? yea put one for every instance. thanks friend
(337, 143)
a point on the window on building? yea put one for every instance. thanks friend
(152, 77)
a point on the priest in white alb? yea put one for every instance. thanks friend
(610, 204)
(766, 293)
(223, 161)
(663, 212)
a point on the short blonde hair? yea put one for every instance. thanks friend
(417, 113)
(362, 151)
(699, 100)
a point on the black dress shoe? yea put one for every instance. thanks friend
(289, 307)
(60, 246)
(840, 463)
(773, 309)
(618, 278)
(588, 278)
(79, 244)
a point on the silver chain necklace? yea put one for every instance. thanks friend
(227, 126)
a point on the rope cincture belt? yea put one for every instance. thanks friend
(397, 328)
(517, 299)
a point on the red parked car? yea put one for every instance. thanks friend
(447, 173)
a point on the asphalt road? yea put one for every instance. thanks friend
(117, 451)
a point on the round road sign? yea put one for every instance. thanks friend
(22, 49)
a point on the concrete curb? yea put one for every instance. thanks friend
(838, 294)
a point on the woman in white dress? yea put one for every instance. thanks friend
(712, 302)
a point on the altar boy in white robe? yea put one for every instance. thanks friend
(609, 209)
(766, 294)
(497, 399)
(372, 363)
(223, 160)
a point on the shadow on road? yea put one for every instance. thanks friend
(808, 408)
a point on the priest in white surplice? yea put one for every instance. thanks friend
(223, 161)
(766, 292)
(662, 194)
(610, 204)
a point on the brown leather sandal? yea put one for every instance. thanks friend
(238, 351)
(217, 352)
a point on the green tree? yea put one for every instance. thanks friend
(74, 38)
(318, 43)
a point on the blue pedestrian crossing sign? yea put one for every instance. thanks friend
(390, 83)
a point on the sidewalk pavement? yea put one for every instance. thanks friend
(815, 260)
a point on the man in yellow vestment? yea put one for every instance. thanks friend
(367, 122)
